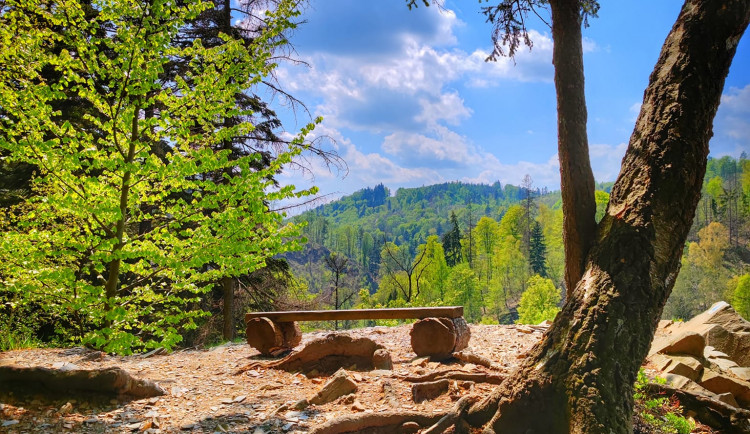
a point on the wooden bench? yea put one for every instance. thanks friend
(439, 332)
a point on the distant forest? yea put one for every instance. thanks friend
(485, 246)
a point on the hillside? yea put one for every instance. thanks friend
(480, 246)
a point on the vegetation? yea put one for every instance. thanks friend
(385, 239)
(127, 225)
(658, 414)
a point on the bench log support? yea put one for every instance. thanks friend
(439, 332)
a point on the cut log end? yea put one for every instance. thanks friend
(438, 338)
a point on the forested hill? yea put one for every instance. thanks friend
(484, 246)
(412, 214)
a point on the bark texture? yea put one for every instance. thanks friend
(576, 177)
(581, 376)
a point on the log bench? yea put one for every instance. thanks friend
(439, 332)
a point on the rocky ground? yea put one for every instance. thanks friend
(204, 392)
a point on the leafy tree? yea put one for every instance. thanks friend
(486, 237)
(539, 302)
(741, 296)
(436, 272)
(464, 291)
(538, 251)
(82, 255)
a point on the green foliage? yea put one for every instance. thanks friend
(464, 291)
(538, 251)
(539, 301)
(127, 226)
(659, 413)
(741, 296)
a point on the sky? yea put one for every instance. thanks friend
(409, 100)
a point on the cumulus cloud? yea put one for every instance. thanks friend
(732, 123)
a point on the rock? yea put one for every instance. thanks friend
(339, 385)
(687, 342)
(743, 373)
(409, 428)
(660, 361)
(688, 385)
(381, 360)
(686, 366)
(727, 398)
(357, 406)
(301, 404)
(720, 383)
(721, 364)
(429, 390)
(9, 422)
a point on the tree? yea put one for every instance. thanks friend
(539, 301)
(452, 242)
(486, 236)
(436, 272)
(741, 296)
(464, 291)
(83, 256)
(577, 376)
(339, 266)
(538, 251)
(397, 260)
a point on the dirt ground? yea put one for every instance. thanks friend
(205, 394)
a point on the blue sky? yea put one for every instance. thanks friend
(410, 101)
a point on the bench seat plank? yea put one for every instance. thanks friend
(355, 314)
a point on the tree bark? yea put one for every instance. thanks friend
(576, 177)
(580, 377)
(227, 286)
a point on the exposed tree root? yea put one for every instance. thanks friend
(469, 357)
(457, 413)
(376, 423)
(477, 377)
(107, 380)
(325, 356)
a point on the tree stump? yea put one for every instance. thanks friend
(438, 338)
(266, 335)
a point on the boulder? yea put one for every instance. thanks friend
(339, 385)
(719, 383)
(686, 366)
(687, 342)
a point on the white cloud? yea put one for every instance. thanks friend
(449, 107)
(732, 123)
(543, 174)
(444, 147)
(606, 160)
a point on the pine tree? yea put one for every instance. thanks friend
(538, 251)
(452, 242)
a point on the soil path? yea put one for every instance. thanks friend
(205, 395)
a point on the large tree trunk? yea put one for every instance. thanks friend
(580, 378)
(576, 177)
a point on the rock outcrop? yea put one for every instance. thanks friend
(708, 356)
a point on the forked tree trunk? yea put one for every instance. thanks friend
(580, 378)
(576, 177)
